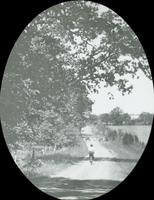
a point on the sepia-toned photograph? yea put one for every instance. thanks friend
(77, 101)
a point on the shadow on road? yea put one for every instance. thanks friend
(114, 159)
(64, 188)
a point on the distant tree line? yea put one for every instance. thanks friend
(118, 117)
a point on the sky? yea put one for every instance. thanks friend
(140, 100)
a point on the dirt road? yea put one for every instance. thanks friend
(83, 181)
(105, 170)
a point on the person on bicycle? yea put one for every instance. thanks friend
(91, 152)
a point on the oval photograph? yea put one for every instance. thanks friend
(77, 100)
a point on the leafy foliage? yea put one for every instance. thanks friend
(128, 139)
(118, 117)
(60, 58)
(146, 118)
(115, 117)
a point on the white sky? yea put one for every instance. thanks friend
(140, 100)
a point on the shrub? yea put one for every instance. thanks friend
(111, 134)
(120, 133)
(128, 139)
(136, 139)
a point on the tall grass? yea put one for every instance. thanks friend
(45, 157)
(124, 137)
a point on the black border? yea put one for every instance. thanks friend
(15, 15)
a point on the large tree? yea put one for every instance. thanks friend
(116, 116)
(105, 118)
(60, 58)
(145, 118)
